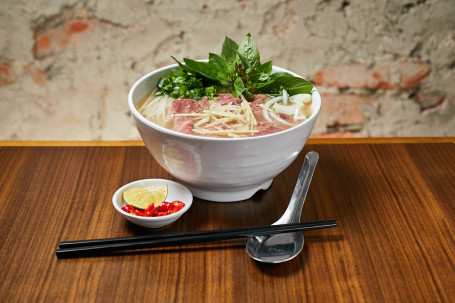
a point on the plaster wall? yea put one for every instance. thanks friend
(384, 68)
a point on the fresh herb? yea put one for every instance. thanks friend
(183, 84)
(238, 70)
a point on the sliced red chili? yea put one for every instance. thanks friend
(128, 208)
(178, 205)
(138, 212)
(150, 211)
(164, 209)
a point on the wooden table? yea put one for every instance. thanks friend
(394, 199)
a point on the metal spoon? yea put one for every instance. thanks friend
(279, 248)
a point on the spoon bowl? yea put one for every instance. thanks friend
(278, 248)
(275, 248)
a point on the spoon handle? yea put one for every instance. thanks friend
(294, 210)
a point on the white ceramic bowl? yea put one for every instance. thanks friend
(220, 169)
(176, 191)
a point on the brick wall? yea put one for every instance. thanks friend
(384, 68)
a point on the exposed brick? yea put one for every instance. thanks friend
(37, 74)
(44, 42)
(412, 73)
(76, 26)
(351, 75)
(344, 109)
(51, 40)
(7, 74)
(378, 76)
(431, 100)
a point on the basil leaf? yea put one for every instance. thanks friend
(261, 73)
(229, 49)
(293, 85)
(239, 87)
(280, 74)
(183, 66)
(265, 68)
(249, 50)
(262, 86)
(214, 72)
(241, 59)
(217, 60)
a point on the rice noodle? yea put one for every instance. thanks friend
(156, 106)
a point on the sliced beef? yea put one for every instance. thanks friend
(255, 105)
(266, 128)
(186, 106)
(184, 124)
(258, 99)
(224, 99)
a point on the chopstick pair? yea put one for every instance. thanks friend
(86, 248)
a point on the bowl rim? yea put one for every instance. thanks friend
(121, 189)
(170, 132)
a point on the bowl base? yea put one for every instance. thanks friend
(233, 195)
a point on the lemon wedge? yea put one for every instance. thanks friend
(141, 198)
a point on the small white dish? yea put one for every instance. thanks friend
(176, 191)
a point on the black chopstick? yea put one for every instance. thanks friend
(85, 248)
(80, 243)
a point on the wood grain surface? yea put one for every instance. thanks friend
(395, 204)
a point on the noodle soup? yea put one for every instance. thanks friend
(226, 116)
(227, 125)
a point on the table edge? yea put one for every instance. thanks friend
(321, 141)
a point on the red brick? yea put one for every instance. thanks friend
(378, 76)
(344, 109)
(37, 74)
(76, 26)
(7, 74)
(413, 73)
(44, 42)
(51, 40)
